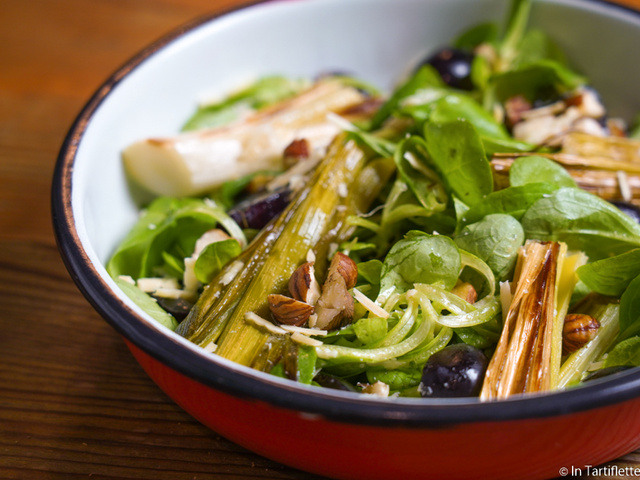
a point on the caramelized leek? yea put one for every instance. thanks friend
(195, 162)
(315, 220)
(599, 165)
(615, 148)
(526, 358)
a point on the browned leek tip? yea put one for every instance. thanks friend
(522, 360)
(595, 163)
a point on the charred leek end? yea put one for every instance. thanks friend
(615, 148)
(527, 358)
(605, 166)
(195, 162)
(315, 220)
(207, 318)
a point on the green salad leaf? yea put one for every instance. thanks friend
(630, 310)
(420, 258)
(535, 169)
(215, 256)
(425, 77)
(583, 221)
(165, 234)
(457, 152)
(514, 201)
(611, 276)
(495, 239)
(397, 379)
(625, 354)
(262, 93)
(147, 303)
(412, 162)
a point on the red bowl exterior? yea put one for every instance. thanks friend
(511, 449)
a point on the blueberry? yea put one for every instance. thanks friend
(178, 307)
(630, 209)
(454, 66)
(455, 371)
(258, 210)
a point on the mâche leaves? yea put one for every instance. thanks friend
(420, 258)
(611, 276)
(457, 152)
(535, 169)
(583, 221)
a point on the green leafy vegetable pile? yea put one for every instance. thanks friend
(409, 193)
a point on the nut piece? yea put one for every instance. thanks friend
(465, 291)
(289, 311)
(578, 330)
(296, 151)
(379, 388)
(346, 267)
(303, 285)
(335, 306)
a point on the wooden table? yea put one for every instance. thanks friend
(73, 402)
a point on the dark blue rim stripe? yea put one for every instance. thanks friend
(432, 413)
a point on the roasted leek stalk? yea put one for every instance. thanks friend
(620, 149)
(315, 220)
(605, 166)
(195, 162)
(528, 355)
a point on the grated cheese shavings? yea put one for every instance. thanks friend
(176, 293)
(505, 297)
(311, 256)
(305, 340)
(258, 321)
(623, 183)
(235, 268)
(369, 304)
(127, 278)
(151, 284)
(304, 331)
(210, 347)
(341, 122)
(379, 389)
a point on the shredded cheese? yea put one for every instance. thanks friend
(258, 321)
(379, 388)
(369, 304)
(623, 183)
(235, 268)
(505, 297)
(128, 279)
(189, 279)
(304, 331)
(341, 122)
(311, 256)
(175, 293)
(151, 284)
(305, 340)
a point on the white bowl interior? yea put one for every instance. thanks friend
(376, 40)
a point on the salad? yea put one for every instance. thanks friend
(472, 233)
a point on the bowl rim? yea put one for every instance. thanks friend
(251, 385)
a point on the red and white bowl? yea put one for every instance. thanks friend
(337, 434)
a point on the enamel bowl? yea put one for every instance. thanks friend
(339, 435)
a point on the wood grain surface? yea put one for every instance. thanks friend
(73, 402)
